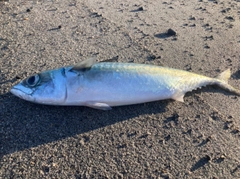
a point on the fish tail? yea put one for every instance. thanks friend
(223, 82)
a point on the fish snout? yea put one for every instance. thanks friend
(22, 93)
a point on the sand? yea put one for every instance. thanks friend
(199, 138)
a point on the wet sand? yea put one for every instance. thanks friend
(199, 138)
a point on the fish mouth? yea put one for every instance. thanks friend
(17, 92)
(22, 93)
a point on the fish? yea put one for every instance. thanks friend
(102, 85)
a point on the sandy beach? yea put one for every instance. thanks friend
(199, 138)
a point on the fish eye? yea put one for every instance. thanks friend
(32, 80)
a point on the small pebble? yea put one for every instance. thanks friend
(18, 77)
(171, 32)
(140, 9)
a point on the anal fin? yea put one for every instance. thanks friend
(98, 105)
(178, 96)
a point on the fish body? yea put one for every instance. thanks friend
(105, 84)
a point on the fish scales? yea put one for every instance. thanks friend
(159, 76)
(121, 81)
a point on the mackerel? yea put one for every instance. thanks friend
(106, 84)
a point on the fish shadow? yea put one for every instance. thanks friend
(24, 125)
(236, 75)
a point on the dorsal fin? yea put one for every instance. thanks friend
(113, 59)
(84, 65)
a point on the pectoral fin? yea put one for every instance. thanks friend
(97, 105)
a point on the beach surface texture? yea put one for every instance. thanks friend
(167, 139)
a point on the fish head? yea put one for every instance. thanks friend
(48, 88)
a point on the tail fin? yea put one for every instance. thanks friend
(223, 82)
